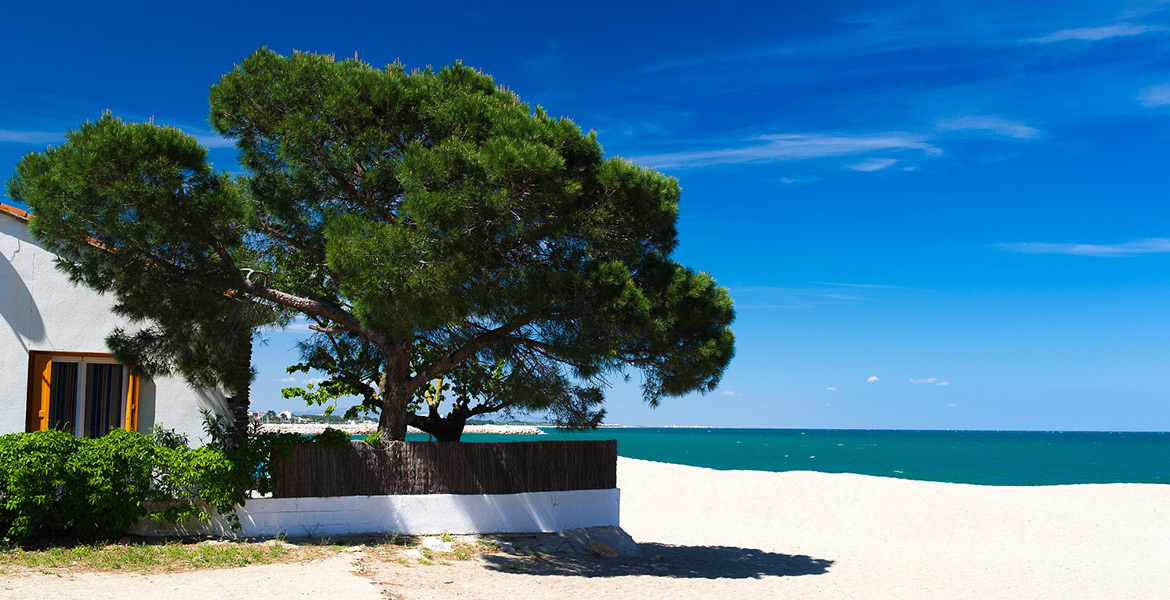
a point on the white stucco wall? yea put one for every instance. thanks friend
(433, 513)
(42, 310)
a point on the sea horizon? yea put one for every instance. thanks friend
(953, 456)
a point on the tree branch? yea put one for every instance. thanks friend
(468, 349)
(319, 308)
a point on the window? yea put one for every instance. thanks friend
(84, 394)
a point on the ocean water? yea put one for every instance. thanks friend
(979, 457)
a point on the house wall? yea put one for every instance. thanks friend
(42, 310)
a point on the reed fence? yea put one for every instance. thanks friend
(406, 468)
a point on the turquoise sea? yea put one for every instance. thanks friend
(980, 457)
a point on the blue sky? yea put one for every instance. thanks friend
(930, 215)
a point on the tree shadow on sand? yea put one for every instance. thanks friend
(661, 560)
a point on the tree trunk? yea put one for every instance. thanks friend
(240, 400)
(395, 396)
(445, 429)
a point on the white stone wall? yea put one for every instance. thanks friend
(531, 512)
(42, 310)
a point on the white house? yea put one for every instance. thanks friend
(55, 368)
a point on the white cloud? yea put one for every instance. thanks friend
(990, 124)
(798, 180)
(299, 325)
(289, 380)
(873, 164)
(1155, 95)
(927, 380)
(213, 141)
(1093, 34)
(830, 389)
(315, 380)
(872, 379)
(792, 146)
(730, 393)
(943, 382)
(31, 137)
(1146, 246)
(952, 405)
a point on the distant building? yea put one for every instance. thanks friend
(55, 369)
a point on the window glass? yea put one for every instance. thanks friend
(63, 396)
(103, 390)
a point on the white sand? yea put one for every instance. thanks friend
(724, 534)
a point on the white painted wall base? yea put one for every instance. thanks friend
(434, 513)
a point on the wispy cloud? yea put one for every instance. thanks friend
(211, 140)
(873, 164)
(798, 180)
(1093, 34)
(289, 380)
(868, 286)
(952, 405)
(299, 325)
(830, 389)
(819, 293)
(930, 381)
(990, 124)
(754, 297)
(873, 379)
(792, 146)
(1155, 95)
(730, 393)
(31, 137)
(1135, 248)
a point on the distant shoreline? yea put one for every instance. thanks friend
(371, 428)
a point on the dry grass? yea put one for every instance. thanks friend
(158, 557)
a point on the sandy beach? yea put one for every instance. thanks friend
(721, 534)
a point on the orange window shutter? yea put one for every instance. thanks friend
(38, 393)
(132, 404)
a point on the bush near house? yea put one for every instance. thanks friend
(53, 484)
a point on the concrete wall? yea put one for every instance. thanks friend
(436, 513)
(42, 310)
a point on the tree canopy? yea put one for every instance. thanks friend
(431, 226)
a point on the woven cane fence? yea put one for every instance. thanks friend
(406, 468)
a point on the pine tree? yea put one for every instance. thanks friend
(429, 224)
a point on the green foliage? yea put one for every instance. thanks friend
(33, 479)
(428, 223)
(54, 484)
(110, 480)
(332, 438)
(373, 440)
(149, 192)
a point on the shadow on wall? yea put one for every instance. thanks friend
(18, 306)
(661, 560)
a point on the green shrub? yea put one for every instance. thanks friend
(54, 484)
(110, 480)
(33, 482)
(332, 438)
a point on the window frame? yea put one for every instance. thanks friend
(39, 387)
